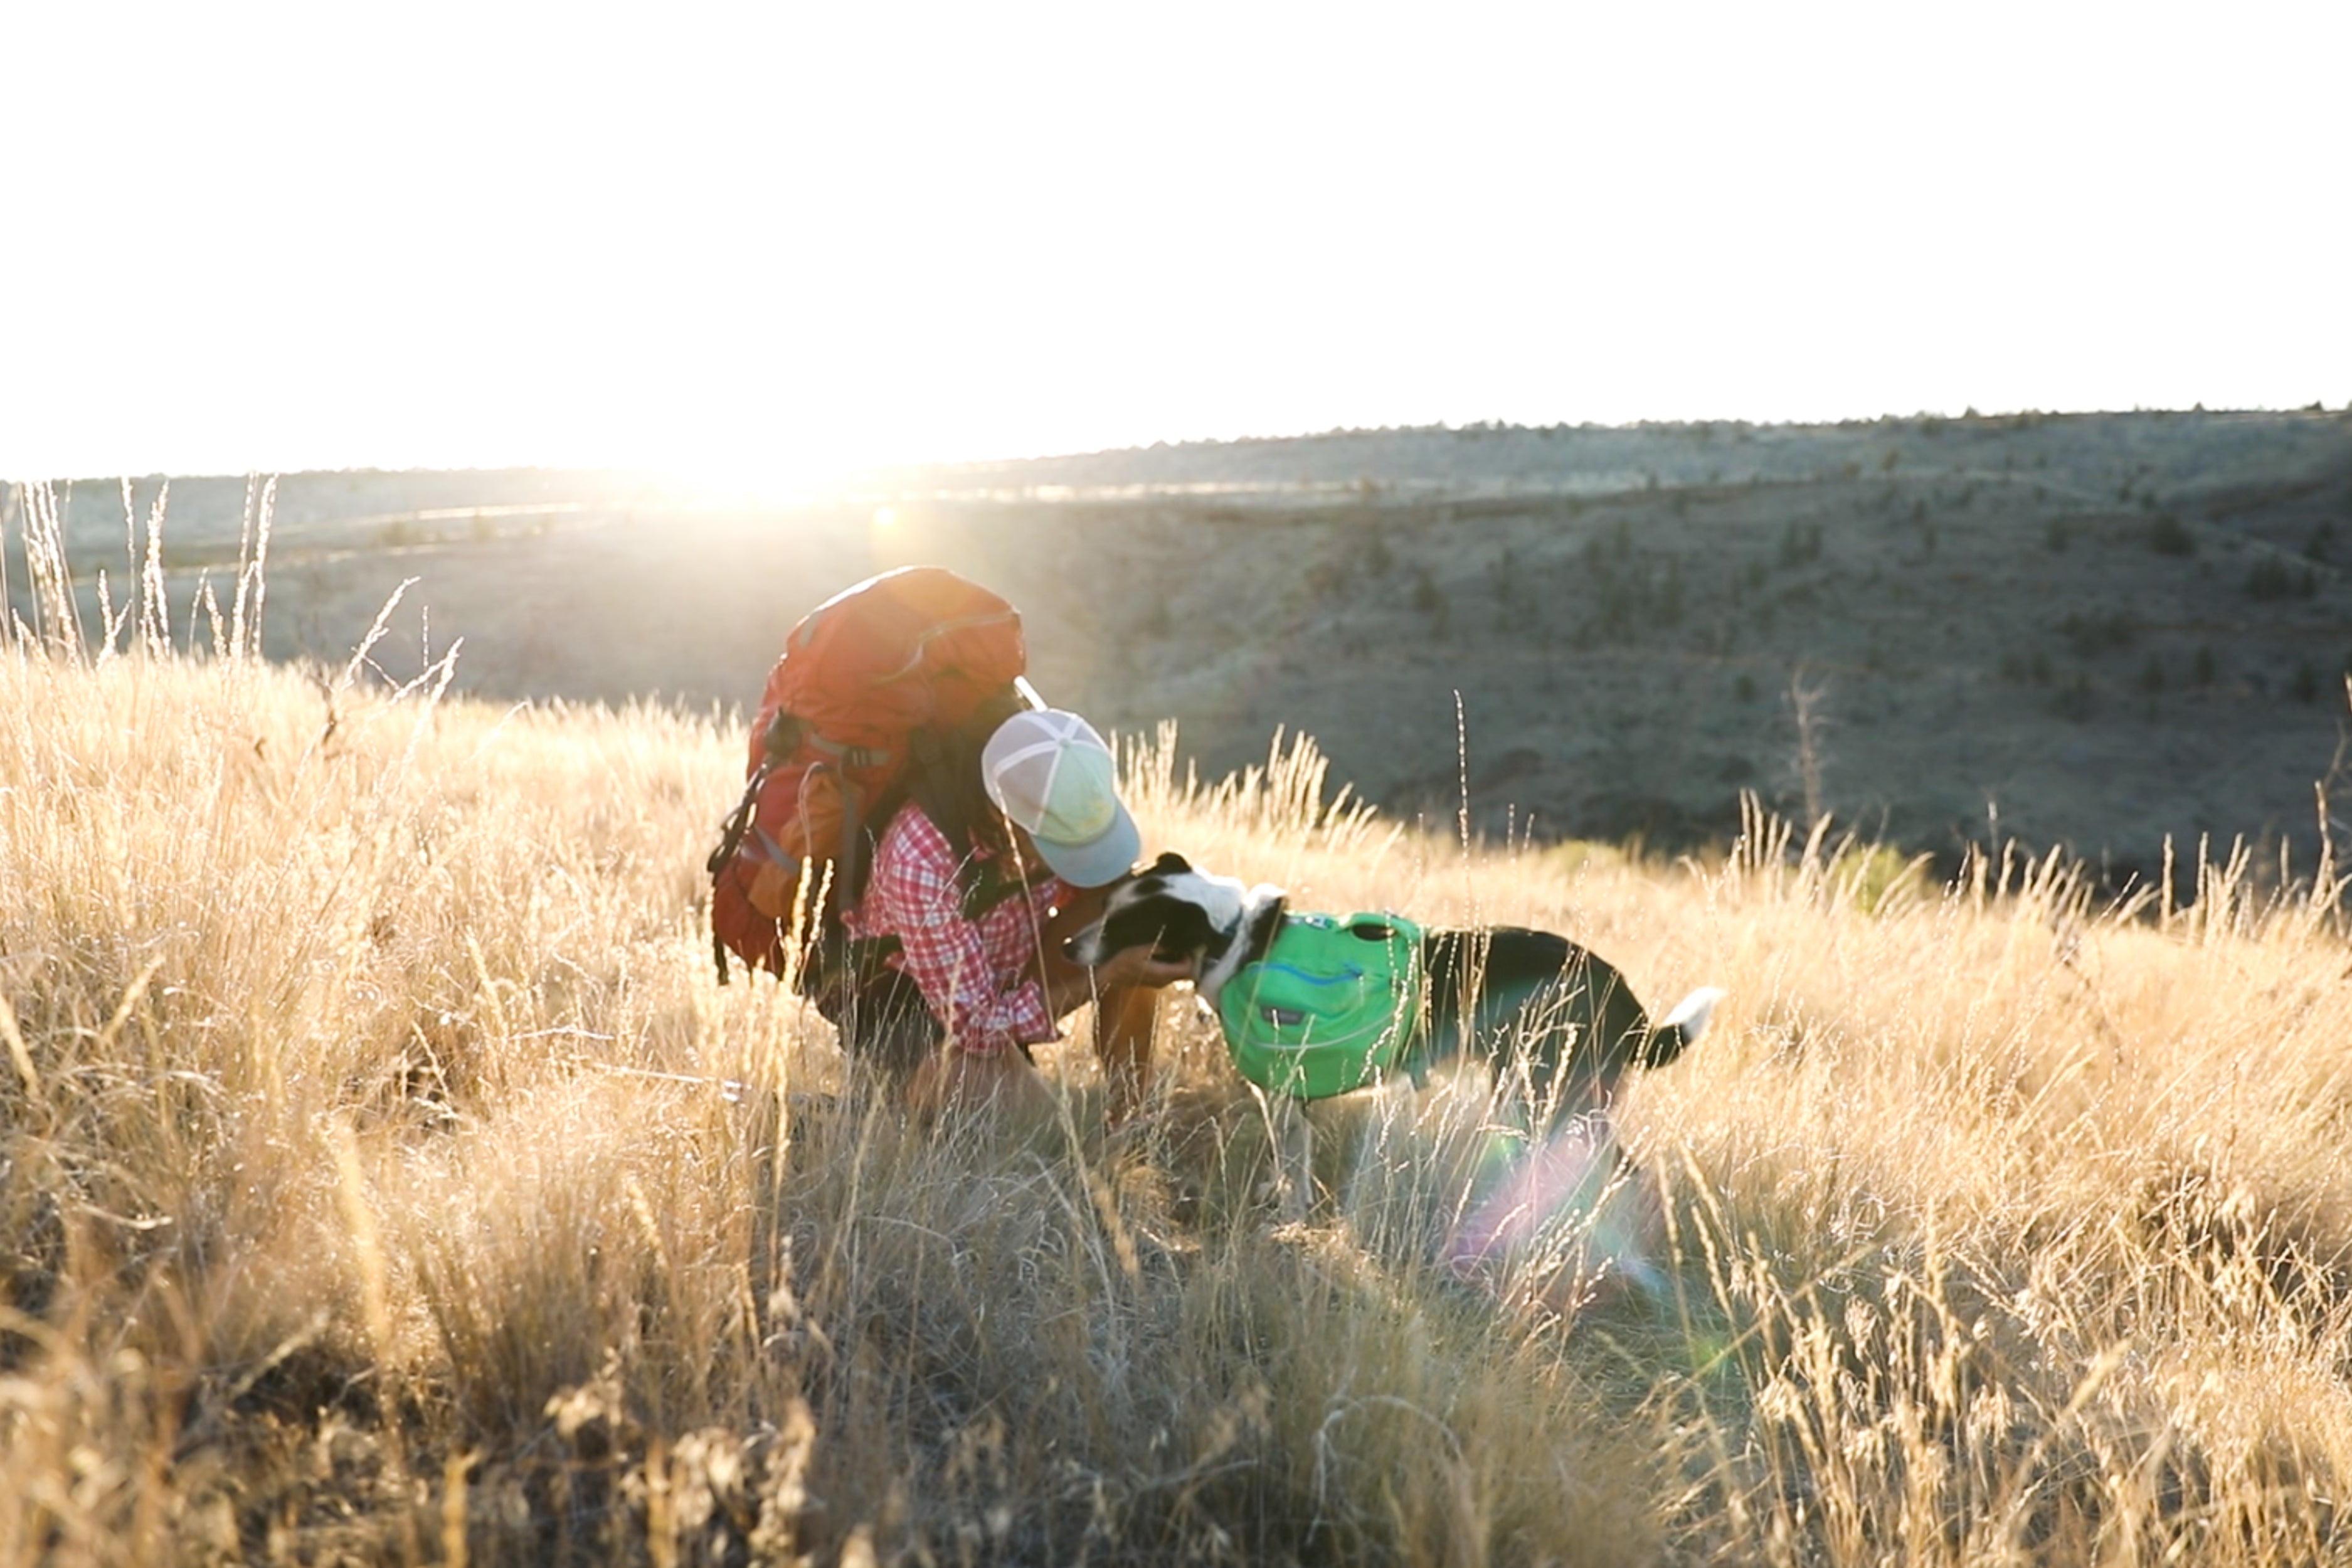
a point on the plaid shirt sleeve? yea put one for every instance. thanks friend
(914, 893)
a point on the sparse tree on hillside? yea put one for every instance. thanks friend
(1808, 712)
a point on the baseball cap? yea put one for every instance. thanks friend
(1050, 773)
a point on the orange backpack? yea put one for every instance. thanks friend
(861, 673)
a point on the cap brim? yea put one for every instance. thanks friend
(1099, 861)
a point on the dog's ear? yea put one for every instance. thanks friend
(1170, 864)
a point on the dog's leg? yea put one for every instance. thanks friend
(1125, 1021)
(1297, 1156)
(1290, 1138)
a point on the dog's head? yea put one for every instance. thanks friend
(1177, 910)
(1184, 915)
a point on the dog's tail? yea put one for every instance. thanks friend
(1682, 1027)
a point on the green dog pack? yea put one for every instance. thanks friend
(1328, 1008)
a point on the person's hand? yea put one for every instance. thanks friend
(1070, 986)
(1000, 1082)
(1139, 966)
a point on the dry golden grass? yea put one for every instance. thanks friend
(384, 1177)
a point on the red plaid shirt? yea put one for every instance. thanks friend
(979, 975)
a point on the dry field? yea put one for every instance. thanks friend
(384, 1177)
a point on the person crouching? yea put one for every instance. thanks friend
(1010, 824)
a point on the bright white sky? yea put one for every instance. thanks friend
(769, 241)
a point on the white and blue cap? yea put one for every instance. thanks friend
(1053, 775)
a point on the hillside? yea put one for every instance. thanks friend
(2093, 631)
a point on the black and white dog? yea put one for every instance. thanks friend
(1524, 1002)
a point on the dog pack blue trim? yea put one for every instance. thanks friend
(1328, 1008)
